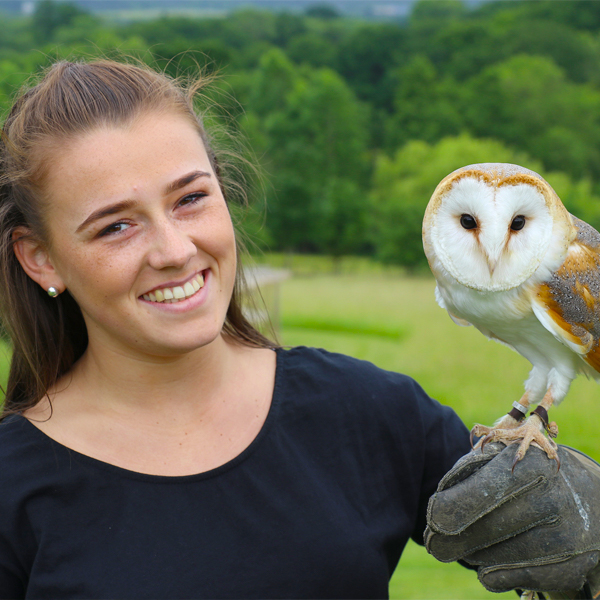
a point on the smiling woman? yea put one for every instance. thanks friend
(154, 444)
(58, 123)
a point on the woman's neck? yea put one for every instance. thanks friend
(174, 417)
(120, 382)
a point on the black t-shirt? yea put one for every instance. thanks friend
(320, 505)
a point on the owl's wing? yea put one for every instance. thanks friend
(568, 305)
(440, 301)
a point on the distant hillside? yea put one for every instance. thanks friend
(369, 9)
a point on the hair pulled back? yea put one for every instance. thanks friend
(49, 335)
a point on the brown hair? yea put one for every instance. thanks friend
(48, 334)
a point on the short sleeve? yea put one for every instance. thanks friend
(445, 440)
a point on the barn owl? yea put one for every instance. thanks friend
(509, 259)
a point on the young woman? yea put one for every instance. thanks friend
(153, 444)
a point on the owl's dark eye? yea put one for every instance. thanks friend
(468, 222)
(518, 223)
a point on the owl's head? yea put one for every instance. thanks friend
(491, 226)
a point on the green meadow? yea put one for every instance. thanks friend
(393, 321)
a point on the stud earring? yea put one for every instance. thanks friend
(52, 292)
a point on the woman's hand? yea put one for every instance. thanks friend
(537, 528)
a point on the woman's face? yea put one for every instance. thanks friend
(141, 236)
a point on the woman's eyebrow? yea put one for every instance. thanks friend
(183, 181)
(107, 210)
(126, 204)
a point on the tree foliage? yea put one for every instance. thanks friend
(355, 122)
(314, 136)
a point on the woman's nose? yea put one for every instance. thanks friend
(171, 247)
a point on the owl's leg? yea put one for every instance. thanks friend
(533, 430)
(559, 382)
(530, 432)
(535, 388)
(511, 420)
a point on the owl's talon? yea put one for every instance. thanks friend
(531, 433)
(514, 464)
(471, 439)
(488, 438)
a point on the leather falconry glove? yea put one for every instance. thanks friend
(537, 528)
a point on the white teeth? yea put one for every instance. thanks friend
(177, 293)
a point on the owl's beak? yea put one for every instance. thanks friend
(492, 264)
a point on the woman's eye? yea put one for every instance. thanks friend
(192, 198)
(114, 228)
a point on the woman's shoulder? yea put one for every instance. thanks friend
(16, 436)
(308, 366)
(318, 360)
(321, 377)
(25, 452)
(384, 413)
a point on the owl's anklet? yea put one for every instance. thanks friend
(518, 411)
(542, 413)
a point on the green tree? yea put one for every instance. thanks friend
(49, 16)
(246, 26)
(287, 27)
(575, 53)
(439, 12)
(578, 14)
(164, 29)
(367, 55)
(322, 11)
(527, 102)
(313, 49)
(88, 34)
(272, 83)
(314, 147)
(427, 105)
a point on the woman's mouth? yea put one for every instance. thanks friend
(176, 294)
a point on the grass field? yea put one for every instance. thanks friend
(394, 322)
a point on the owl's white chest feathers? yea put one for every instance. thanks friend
(508, 317)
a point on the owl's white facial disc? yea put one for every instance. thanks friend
(491, 238)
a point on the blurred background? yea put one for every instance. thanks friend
(352, 112)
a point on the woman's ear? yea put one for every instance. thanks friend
(35, 260)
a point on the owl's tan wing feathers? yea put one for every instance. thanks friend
(569, 304)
